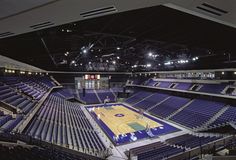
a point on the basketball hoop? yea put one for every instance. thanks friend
(141, 112)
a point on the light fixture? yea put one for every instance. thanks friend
(67, 53)
(167, 63)
(195, 58)
(148, 65)
(150, 54)
(118, 48)
(85, 51)
(183, 61)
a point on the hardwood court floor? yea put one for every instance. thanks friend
(122, 120)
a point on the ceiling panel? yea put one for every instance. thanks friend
(16, 16)
(13, 7)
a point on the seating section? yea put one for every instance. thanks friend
(171, 147)
(20, 94)
(169, 106)
(150, 82)
(8, 123)
(117, 89)
(23, 92)
(90, 97)
(228, 116)
(190, 141)
(98, 96)
(34, 87)
(197, 113)
(213, 88)
(15, 99)
(183, 86)
(191, 114)
(164, 84)
(137, 81)
(151, 101)
(137, 97)
(17, 152)
(64, 123)
(206, 88)
(64, 93)
(102, 93)
(155, 151)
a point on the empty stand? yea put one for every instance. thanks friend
(151, 101)
(89, 97)
(197, 113)
(168, 107)
(137, 97)
(190, 141)
(64, 123)
(155, 151)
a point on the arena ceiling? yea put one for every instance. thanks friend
(153, 38)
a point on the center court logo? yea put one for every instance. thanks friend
(119, 115)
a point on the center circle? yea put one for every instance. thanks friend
(119, 115)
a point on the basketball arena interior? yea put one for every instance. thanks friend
(117, 80)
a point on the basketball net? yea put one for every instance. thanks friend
(141, 111)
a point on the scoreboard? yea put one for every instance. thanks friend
(92, 76)
(92, 81)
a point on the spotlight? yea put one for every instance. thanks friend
(118, 48)
(148, 65)
(85, 51)
(195, 58)
(118, 57)
(67, 53)
(114, 62)
(150, 54)
(167, 63)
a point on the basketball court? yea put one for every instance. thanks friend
(124, 124)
